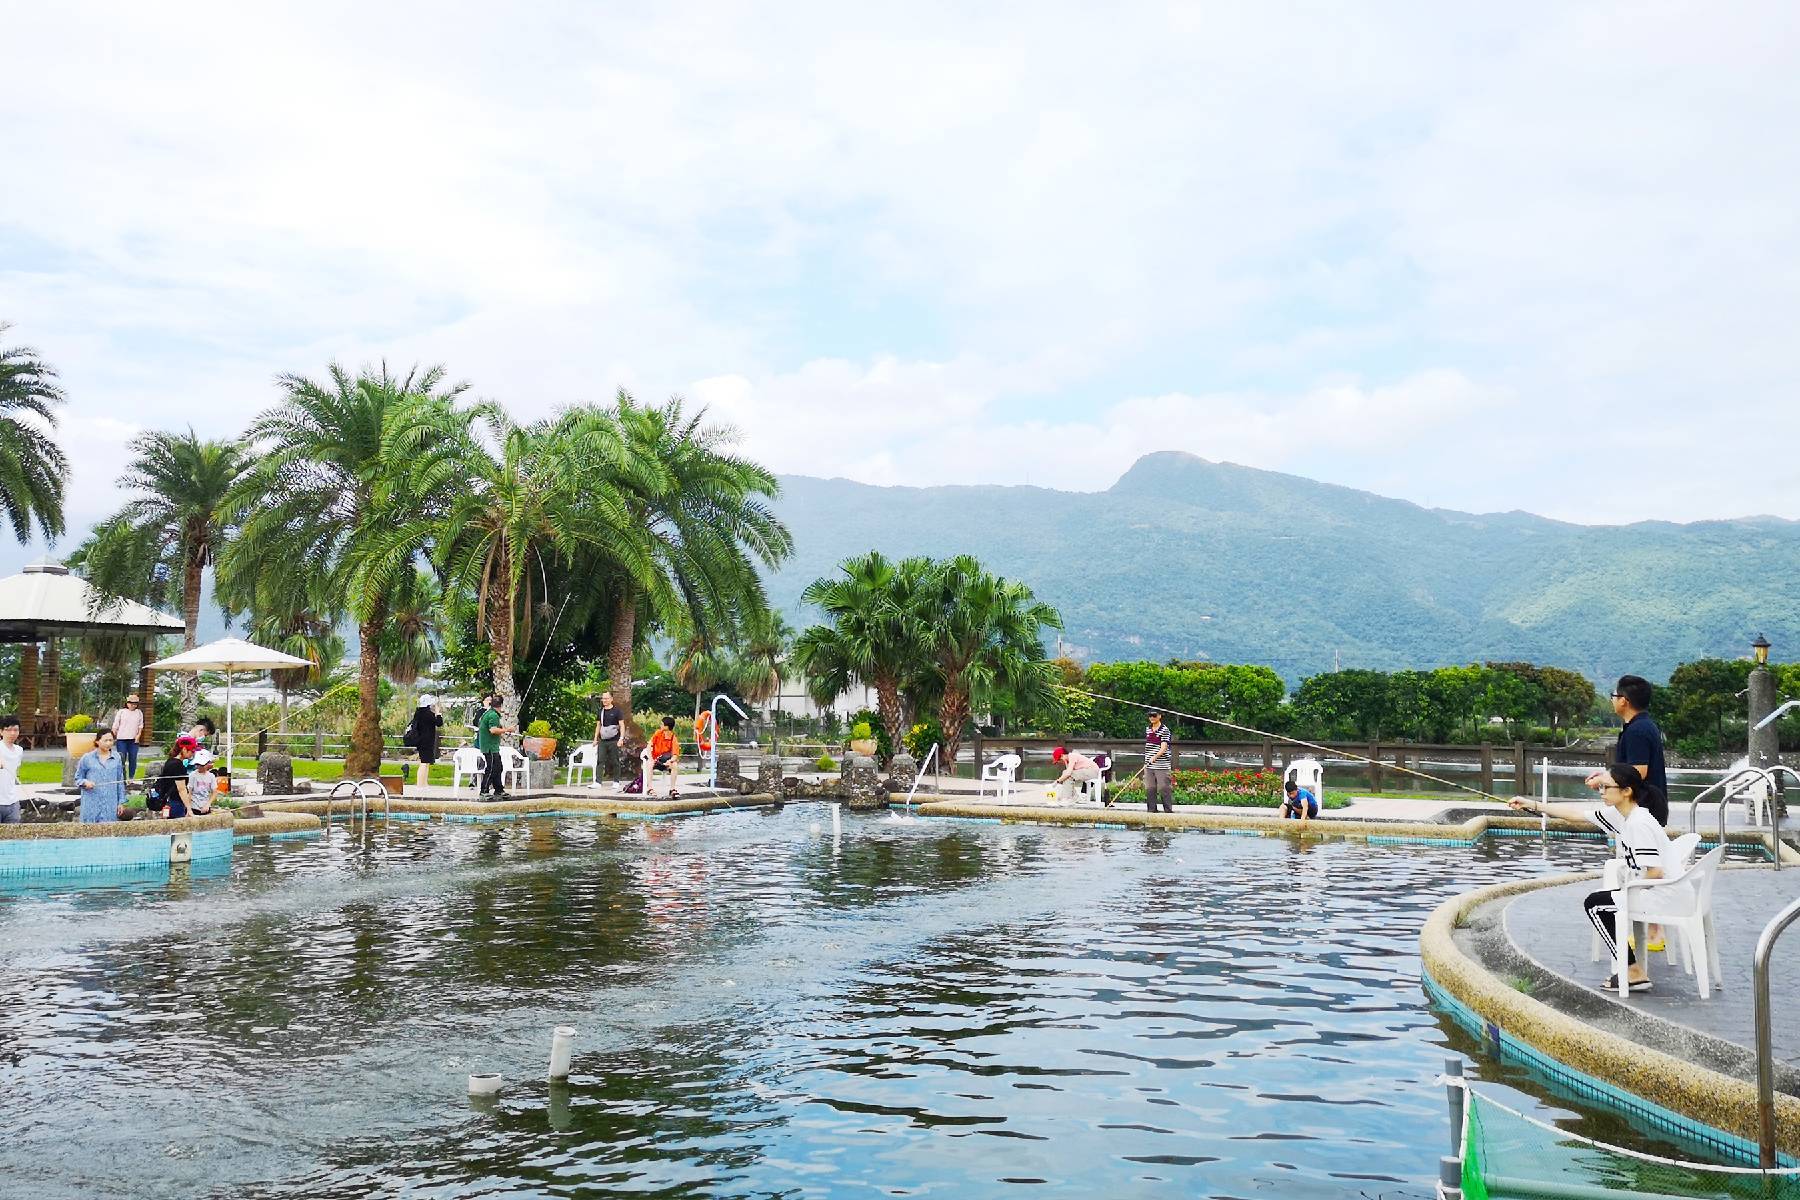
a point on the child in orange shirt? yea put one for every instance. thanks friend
(664, 755)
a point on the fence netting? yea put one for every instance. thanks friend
(1507, 1153)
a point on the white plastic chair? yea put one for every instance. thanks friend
(1682, 905)
(1681, 860)
(513, 766)
(1003, 772)
(467, 760)
(586, 758)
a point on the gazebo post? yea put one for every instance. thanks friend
(28, 683)
(147, 691)
(50, 686)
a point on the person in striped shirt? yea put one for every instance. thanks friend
(1643, 845)
(1159, 766)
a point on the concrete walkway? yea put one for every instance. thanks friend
(1549, 928)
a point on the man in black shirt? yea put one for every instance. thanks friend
(1640, 742)
(607, 731)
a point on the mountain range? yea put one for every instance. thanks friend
(1192, 559)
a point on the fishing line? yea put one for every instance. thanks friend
(1327, 750)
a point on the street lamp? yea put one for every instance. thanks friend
(1760, 650)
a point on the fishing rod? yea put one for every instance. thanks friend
(1350, 754)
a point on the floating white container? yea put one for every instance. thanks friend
(485, 1084)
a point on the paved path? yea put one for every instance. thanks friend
(1549, 927)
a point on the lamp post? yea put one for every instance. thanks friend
(1764, 747)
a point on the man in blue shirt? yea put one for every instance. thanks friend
(1299, 804)
(1640, 744)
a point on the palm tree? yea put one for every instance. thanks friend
(302, 623)
(765, 642)
(873, 637)
(409, 643)
(697, 663)
(329, 492)
(983, 636)
(697, 517)
(510, 511)
(158, 546)
(33, 468)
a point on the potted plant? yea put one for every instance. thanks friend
(863, 740)
(80, 733)
(537, 742)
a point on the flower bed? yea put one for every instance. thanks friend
(1241, 789)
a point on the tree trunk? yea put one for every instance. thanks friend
(363, 759)
(190, 619)
(500, 644)
(893, 714)
(953, 712)
(618, 660)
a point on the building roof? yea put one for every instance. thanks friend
(45, 600)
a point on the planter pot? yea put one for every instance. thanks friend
(542, 748)
(395, 784)
(80, 743)
(866, 746)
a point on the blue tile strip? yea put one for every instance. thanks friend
(1727, 1148)
(110, 853)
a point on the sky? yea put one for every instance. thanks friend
(1541, 257)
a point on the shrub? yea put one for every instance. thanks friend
(825, 763)
(860, 732)
(1243, 789)
(539, 728)
(79, 723)
(921, 737)
(1695, 745)
(884, 749)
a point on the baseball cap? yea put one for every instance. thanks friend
(202, 757)
(185, 743)
(427, 700)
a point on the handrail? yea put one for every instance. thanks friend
(387, 801)
(354, 787)
(1765, 1052)
(930, 757)
(1775, 807)
(1725, 800)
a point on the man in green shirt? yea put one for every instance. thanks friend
(487, 740)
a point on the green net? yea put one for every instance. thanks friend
(1509, 1154)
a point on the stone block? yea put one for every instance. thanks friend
(275, 773)
(540, 774)
(768, 777)
(730, 773)
(861, 785)
(902, 770)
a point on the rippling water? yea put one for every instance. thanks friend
(916, 1009)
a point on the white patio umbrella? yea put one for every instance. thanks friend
(228, 655)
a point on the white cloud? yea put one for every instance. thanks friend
(1458, 255)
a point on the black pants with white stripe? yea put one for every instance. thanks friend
(1605, 915)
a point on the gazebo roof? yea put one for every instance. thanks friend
(44, 600)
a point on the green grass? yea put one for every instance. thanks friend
(51, 770)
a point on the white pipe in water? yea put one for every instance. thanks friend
(485, 1084)
(562, 1047)
(837, 826)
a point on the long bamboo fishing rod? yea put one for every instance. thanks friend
(1350, 754)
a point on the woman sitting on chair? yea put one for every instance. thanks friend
(1642, 844)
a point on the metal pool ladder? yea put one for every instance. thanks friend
(1767, 774)
(1765, 1049)
(359, 792)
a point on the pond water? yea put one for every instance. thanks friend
(917, 1008)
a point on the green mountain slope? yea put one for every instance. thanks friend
(1195, 559)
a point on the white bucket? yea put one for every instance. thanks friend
(485, 1084)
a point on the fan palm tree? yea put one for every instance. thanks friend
(873, 635)
(514, 502)
(328, 492)
(983, 636)
(766, 639)
(697, 516)
(33, 468)
(158, 546)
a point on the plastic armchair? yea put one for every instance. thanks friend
(1681, 860)
(1681, 904)
(1003, 772)
(467, 760)
(513, 765)
(586, 758)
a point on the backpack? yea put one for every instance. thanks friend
(411, 736)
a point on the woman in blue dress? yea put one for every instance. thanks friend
(100, 777)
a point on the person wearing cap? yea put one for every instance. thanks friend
(1078, 771)
(202, 783)
(1159, 766)
(128, 728)
(167, 794)
(422, 734)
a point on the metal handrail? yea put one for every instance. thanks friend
(1775, 807)
(387, 801)
(332, 795)
(930, 757)
(1765, 1052)
(1726, 799)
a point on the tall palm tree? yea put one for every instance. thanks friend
(301, 621)
(409, 643)
(697, 662)
(765, 642)
(983, 635)
(33, 468)
(873, 637)
(698, 515)
(516, 501)
(158, 546)
(327, 491)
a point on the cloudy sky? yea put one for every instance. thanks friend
(1480, 257)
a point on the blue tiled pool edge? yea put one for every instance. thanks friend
(37, 855)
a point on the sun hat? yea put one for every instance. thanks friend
(185, 743)
(1056, 755)
(202, 757)
(132, 699)
(427, 700)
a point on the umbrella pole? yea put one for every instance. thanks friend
(228, 742)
